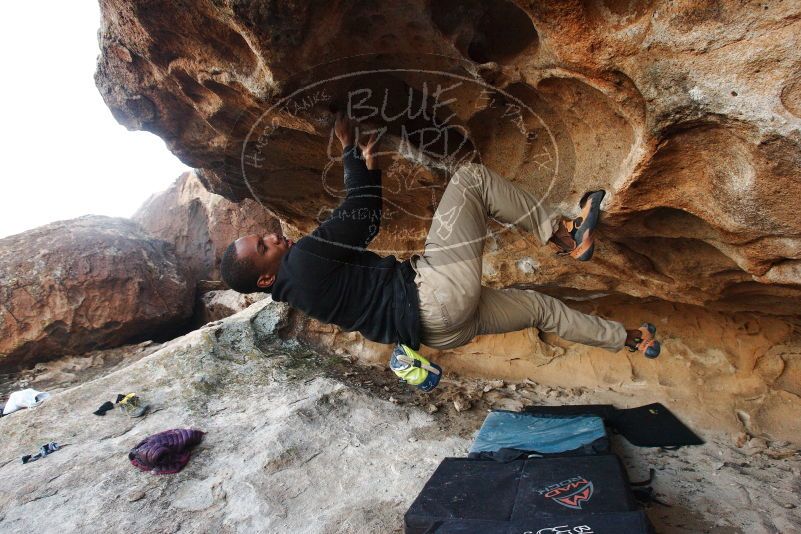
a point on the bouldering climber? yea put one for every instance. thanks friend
(434, 298)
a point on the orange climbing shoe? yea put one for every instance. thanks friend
(647, 343)
(574, 237)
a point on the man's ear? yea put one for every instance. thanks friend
(265, 280)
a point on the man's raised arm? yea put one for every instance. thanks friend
(357, 220)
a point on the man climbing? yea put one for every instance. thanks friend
(436, 298)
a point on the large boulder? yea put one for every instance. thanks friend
(201, 224)
(86, 283)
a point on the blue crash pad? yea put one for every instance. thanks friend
(543, 434)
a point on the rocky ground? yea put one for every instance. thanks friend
(299, 441)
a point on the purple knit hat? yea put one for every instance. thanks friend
(166, 452)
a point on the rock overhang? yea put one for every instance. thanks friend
(689, 125)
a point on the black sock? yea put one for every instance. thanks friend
(108, 405)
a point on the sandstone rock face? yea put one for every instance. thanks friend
(738, 372)
(201, 224)
(87, 283)
(686, 113)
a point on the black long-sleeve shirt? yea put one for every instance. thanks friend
(329, 275)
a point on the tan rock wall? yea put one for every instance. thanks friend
(685, 112)
(739, 372)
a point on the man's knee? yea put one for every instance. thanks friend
(472, 174)
(455, 338)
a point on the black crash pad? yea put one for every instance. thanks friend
(535, 491)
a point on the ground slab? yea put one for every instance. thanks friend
(301, 441)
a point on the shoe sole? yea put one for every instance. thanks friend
(654, 350)
(591, 221)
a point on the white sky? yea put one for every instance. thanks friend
(62, 153)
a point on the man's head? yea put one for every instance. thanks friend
(251, 263)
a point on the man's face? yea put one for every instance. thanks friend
(266, 252)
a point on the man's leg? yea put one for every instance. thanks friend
(475, 192)
(508, 310)
(449, 271)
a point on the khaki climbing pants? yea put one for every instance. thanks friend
(454, 306)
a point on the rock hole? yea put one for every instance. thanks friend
(485, 31)
(601, 135)
(791, 96)
(190, 87)
(178, 38)
(57, 330)
(225, 92)
(617, 13)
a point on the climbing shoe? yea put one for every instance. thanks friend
(414, 369)
(131, 405)
(647, 343)
(574, 237)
